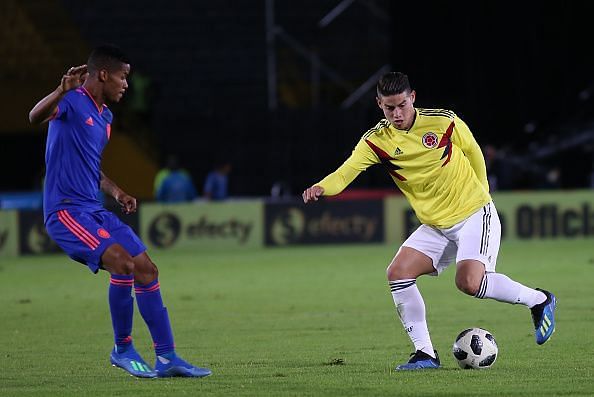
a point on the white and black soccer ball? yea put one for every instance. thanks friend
(475, 348)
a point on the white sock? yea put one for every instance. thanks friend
(411, 310)
(502, 288)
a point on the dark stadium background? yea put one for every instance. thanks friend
(519, 73)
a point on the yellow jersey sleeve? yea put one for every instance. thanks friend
(361, 159)
(437, 164)
(464, 139)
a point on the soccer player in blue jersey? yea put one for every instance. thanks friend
(79, 128)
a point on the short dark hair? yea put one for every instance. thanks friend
(106, 56)
(393, 83)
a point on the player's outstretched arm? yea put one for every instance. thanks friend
(127, 202)
(312, 193)
(46, 108)
(336, 182)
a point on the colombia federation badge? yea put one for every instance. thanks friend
(430, 140)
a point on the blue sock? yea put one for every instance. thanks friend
(121, 306)
(155, 315)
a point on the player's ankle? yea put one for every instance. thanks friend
(123, 348)
(168, 355)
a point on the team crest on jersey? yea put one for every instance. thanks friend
(103, 233)
(430, 140)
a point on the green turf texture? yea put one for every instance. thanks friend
(307, 321)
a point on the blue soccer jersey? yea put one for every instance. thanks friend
(77, 135)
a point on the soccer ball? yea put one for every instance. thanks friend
(475, 348)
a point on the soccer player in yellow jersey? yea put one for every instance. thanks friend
(435, 161)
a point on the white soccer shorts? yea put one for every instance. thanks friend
(477, 237)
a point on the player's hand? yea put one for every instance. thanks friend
(312, 193)
(127, 202)
(74, 78)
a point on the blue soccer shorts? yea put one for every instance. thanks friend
(85, 236)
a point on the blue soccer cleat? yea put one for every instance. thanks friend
(131, 362)
(420, 360)
(170, 365)
(543, 316)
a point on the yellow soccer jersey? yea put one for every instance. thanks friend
(437, 164)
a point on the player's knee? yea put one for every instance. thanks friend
(146, 272)
(395, 272)
(123, 265)
(409, 264)
(467, 284)
(116, 260)
(151, 272)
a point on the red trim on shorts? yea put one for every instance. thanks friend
(76, 229)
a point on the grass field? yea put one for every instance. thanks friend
(313, 321)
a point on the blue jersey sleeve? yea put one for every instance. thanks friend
(64, 107)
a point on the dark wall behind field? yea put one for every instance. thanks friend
(207, 65)
(520, 74)
(500, 64)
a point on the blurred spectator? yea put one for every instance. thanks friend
(174, 184)
(551, 179)
(280, 190)
(492, 164)
(216, 183)
(171, 163)
(163, 172)
(499, 171)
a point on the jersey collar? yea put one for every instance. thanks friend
(100, 110)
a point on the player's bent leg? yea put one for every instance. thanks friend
(119, 263)
(156, 317)
(407, 265)
(116, 260)
(542, 303)
(469, 275)
(145, 271)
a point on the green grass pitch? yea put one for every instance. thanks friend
(308, 321)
